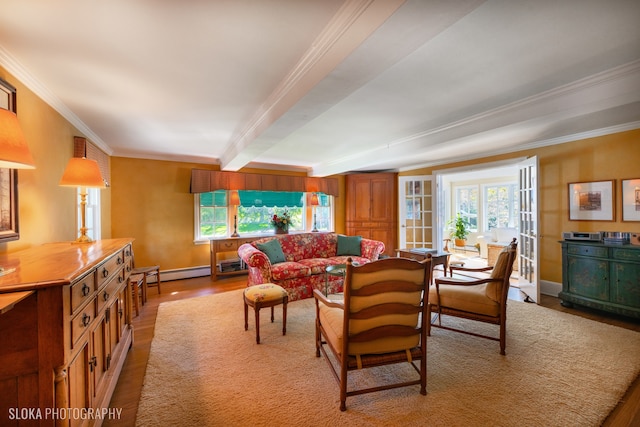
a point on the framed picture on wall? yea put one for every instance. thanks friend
(8, 178)
(591, 201)
(631, 199)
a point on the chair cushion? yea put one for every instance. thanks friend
(348, 245)
(289, 270)
(264, 292)
(466, 298)
(273, 250)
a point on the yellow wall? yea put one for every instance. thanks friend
(611, 157)
(152, 203)
(47, 212)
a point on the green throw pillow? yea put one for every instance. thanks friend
(349, 245)
(273, 250)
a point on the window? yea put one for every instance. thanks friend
(501, 205)
(214, 217)
(466, 204)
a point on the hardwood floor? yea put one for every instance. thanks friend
(128, 390)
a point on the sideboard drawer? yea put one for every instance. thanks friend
(110, 290)
(586, 250)
(82, 291)
(80, 323)
(110, 268)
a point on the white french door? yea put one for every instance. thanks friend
(417, 209)
(529, 261)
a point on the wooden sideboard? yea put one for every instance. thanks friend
(230, 244)
(604, 277)
(65, 322)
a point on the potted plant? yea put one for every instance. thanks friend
(281, 223)
(460, 230)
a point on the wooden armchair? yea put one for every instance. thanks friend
(380, 321)
(484, 300)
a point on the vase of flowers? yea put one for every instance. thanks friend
(281, 222)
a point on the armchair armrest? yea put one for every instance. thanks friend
(319, 296)
(453, 268)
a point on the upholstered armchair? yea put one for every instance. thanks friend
(380, 321)
(482, 299)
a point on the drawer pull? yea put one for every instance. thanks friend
(119, 261)
(105, 272)
(128, 269)
(105, 296)
(86, 319)
(120, 279)
(93, 362)
(85, 289)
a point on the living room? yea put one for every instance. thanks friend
(149, 200)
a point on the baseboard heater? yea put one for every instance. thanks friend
(184, 273)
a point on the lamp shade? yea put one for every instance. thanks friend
(314, 200)
(82, 172)
(14, 151)
(234, 198)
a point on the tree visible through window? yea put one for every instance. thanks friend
(215, 216)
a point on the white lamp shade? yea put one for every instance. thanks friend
(82, 172)
(14, 151)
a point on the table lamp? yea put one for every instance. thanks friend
(314, 202)
(82, 173)
(14, 151)
(234, 200)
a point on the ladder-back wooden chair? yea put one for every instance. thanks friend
(380, 321)
(484, 299)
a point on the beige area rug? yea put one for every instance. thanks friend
(205, 370)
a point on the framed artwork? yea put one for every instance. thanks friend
(631, 199)
(8, 178)
(591, 201)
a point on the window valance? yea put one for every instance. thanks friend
(204, 181)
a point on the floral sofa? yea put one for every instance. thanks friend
(300, 266)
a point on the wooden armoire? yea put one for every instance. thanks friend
(372, 207)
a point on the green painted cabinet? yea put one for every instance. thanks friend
(604, 277)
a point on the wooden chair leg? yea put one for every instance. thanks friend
(257, 310)
(246, 316)
(136, 303)
(284, 316)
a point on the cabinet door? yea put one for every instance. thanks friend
(80, 387)
(625, 287)
(359, 200)
(588, 277)
(99, 338)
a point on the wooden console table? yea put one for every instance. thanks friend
(230, 244)
(65, 320)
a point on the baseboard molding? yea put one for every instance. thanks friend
(183, 273)
(550, 288)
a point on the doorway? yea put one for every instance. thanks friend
(478, 186)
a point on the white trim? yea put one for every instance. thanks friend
(550, 288)
(184, 273)
(21, 73)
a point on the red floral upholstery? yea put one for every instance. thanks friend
(307, 256)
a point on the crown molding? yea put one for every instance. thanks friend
(21, 72)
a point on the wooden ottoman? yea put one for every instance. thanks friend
(265, 295)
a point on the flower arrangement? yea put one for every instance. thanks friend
(281, 222)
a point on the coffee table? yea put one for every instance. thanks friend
(333, 270)
(419, 254)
